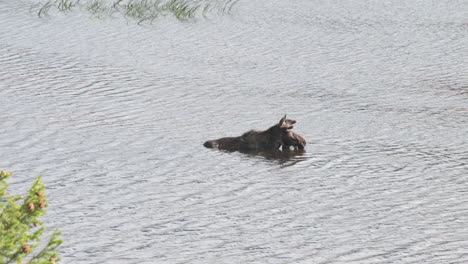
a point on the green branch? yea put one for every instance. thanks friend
(20, 226)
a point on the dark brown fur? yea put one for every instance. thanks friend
(292, 139)
(269, 139)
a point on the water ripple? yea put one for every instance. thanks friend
(114, 115)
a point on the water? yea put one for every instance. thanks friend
(113, 115)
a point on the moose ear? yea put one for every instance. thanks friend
(282, 120)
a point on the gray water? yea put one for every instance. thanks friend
(113, 115)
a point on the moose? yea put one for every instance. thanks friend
(279, 135)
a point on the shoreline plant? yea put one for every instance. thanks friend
(140, 10)
(21, 229)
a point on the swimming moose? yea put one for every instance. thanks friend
(279, 135)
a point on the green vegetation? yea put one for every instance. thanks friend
(20, 226)
(141, 10)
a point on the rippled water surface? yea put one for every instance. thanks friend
(113, 115)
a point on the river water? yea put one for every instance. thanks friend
(113, 115)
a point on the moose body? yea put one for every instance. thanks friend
(271, 139)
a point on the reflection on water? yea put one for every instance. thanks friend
(284, 157)
(112, 115)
